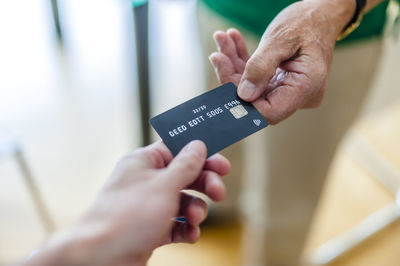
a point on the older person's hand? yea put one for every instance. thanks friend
(290, 67)
(134, 212)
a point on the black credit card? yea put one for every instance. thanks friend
(218, 117)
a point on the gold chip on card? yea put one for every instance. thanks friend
(238, 111)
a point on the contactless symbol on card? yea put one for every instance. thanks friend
(257, 122)
(218, 117)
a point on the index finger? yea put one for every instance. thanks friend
(155, 155)
(218, 164)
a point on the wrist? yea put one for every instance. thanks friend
(54, 252)
(63, 249)
(74, 247)
(94, 244)
(338, 13)
(78, 247)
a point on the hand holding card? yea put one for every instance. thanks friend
(218, 117)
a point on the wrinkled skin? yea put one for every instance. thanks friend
(289, 69)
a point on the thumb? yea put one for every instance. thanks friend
(261, 67)
(187, 165)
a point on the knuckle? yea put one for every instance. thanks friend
(316, 101)
(278, 117)
(139, 152)
(134, 157)
(127, 159)
(222, 79)
(187, 165)
(256, 65)
(283, 36)
(273, 120)
(191, 163)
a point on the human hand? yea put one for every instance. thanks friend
(133, 213)
(290, 67)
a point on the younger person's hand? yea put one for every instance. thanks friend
(134, 212)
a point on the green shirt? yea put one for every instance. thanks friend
(255, 15)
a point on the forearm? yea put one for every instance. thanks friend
(88, 244)
(61, 250)
(74, 247)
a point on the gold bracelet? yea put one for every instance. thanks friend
(354, 25)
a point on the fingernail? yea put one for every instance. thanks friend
(203, 212)
(247, 89)
(180, 219)
(217, 41)
(196, 147)
(211, 61)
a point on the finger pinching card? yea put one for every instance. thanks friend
(218, 117)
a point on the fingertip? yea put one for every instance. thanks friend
(219, 37)
(215, 188)
(213, 55)
(233, 31)
(225, 166)
(196, 212)
(219, 164)
(218, 33)
(214, 59)
(192, 234)
(228, 167)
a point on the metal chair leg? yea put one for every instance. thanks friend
(142, 53)
(37, 199)
(56, 19)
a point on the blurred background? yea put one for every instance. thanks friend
(71, 106)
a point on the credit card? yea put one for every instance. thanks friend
(218, 117)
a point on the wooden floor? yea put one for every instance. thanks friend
(352, 193)
(217, 246)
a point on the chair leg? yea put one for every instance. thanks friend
(56, 19)
(142, 53)
(37, 199)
